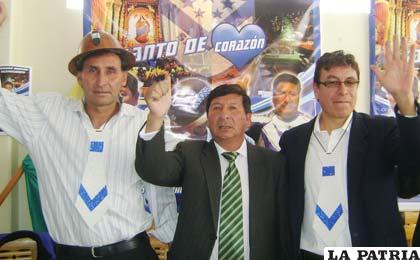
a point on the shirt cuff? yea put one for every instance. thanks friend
(408, 116)
(413, 116)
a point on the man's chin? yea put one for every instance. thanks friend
(101, 103)
(223, 136)
(287, 114)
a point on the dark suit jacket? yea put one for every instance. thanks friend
(376, 146)
(195, 166)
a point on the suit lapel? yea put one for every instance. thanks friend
(302, 145)
(211, 168)
(253, 186)
(301, 148)
(298, 149)
(356, 155)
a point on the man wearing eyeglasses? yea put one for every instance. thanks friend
(341, 165)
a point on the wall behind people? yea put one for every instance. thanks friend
(349, 32)
(45, 35)
(5, 142)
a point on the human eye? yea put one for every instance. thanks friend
(351, 83)
(333, 84)
(293, 93)
(233, 107)
(215, 107)
(91, 69)
(111, 71)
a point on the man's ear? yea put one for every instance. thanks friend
(125, 77)
(79, 78)
(248, 120)
(315, 87)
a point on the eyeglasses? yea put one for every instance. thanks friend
(337, 83)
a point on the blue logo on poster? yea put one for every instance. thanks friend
(239, 47)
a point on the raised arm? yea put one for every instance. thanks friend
(403, 140)
(153, 164)
(22, 117)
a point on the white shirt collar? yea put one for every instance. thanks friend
(345, 126)
(125, 109)
(242, 150)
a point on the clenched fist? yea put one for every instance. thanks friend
(159, 97)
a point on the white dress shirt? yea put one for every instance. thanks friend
(241, 163)
(336, 143)
(54, 130)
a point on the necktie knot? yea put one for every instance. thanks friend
(230, 156)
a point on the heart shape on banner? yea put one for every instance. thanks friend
(239, 47)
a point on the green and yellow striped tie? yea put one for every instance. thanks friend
(231, 238)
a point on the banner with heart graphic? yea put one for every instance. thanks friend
(203, 44)
(239, 47)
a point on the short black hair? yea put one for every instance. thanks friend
(227, 89)
(286, 77)
(132, 85)
(80, 62)
(335, 59)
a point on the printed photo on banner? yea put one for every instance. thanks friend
(392, 18)
(16, 79)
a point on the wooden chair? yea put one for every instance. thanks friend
(23, 249)
(160, 248)
(11, 184)
(410, 221)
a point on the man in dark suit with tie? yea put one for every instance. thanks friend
(232, 191)
(341, 165)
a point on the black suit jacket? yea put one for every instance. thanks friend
(195, 166)
(376, 146)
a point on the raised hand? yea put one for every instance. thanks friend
(158, 100)
(398, 74)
